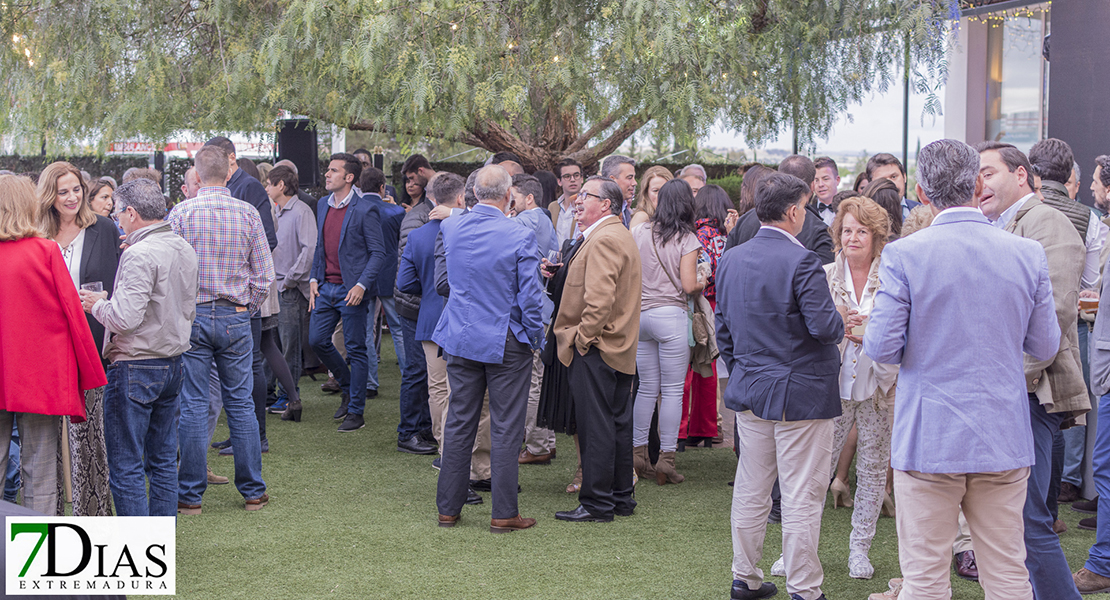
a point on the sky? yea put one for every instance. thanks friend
(877, 127)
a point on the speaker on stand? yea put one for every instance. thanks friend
(297, 142)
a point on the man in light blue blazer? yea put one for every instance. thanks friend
(958, 304)
(488, 329)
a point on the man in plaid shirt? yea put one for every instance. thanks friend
(235, 271)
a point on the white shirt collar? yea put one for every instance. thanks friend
(783, 232)
(589, 230)
(332, 203)
(1008, 214)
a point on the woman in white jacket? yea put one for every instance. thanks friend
(859, 232)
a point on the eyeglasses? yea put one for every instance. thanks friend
(572, 176)
(584, 194)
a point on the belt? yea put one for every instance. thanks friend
(220, 302)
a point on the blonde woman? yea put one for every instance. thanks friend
(47, 354)
(90, 250)
(647, 196)
(859, 232)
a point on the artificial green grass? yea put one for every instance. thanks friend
(350, 517)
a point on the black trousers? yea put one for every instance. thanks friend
(508, 383)
(603, 412)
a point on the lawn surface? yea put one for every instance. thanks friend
(350, 517)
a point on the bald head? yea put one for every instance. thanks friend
(491, 186)
(192, 183)
(285, 162)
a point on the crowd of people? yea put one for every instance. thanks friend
(947, 345)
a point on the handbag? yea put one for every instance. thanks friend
(701, 326)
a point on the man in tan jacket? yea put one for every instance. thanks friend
(597, 330)
(1057, 391)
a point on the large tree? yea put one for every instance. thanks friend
(542, 78)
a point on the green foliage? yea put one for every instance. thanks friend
(731, 184)
(544, 78)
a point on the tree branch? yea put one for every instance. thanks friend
(591, 156)
(598, 127)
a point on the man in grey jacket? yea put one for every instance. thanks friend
(150, 318)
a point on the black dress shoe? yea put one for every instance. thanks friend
(373, 393)
(221, 445)
(581, 515)
(624, 511)
(344, 402)
(481, 485)
(415, 445)
(353, 422)
(472, 497)
(1087, 507)
(427, 436)
(740, 590)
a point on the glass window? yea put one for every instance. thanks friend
(1017, 80)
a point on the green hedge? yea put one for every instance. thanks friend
(97, 166)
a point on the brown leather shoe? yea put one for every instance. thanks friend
(1059, 527)
(258, 503)
(1068, 493)
(966, 567)
(1091, 583)
(1089, 524)
(507, 525)
(331, 386)
(448, 520)
(188, 509)
(214, 479)
(527, 458)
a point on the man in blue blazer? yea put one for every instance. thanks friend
(349, 257)
(488, 329)
(777, 331)
(957, 305)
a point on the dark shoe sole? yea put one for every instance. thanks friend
(493, 529)
(1085, 528)
(1084, 511)
(422, 453)
(350, 429)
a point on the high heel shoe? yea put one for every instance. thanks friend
(841, 495)
(888, 506)
(292, 412)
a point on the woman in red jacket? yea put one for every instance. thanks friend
(47, 354)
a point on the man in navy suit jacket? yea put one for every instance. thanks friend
(777, 331)
(349, 257)
(488, 329)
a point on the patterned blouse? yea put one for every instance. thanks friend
(713, 240)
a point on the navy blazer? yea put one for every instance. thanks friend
(417, 276)
(778, 330)
(361, 248)
(248, 189)
(391, 216)
(493, 267)
(814, 234)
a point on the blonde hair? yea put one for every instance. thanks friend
(641, 194)
(48, 194)
(920, 218)
(19, 211)
(869, 214)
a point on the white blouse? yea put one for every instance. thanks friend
(72, 256)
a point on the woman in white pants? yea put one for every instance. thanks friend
(669, 251)
(859, 232)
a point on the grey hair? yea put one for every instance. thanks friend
(610, 191)
(492, 183)
(1078, 173)
(947, 171)
(612, 164)
(287, 163)
(144, 196)
(692, 171)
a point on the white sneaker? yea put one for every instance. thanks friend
(859, 566)
(779, 568)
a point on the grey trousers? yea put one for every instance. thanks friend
(508, 384)
(40, 445)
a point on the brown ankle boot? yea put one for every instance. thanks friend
(642, 463)
(664, 470)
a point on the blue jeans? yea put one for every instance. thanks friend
(140, 426)
(1075, 438)
(389, 307)
(1098, 559)
(1048, 569)
(415, 414)
(329, 308)
(223, 334)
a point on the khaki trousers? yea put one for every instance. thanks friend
(928, 514)
(537, 440)
(439, 394)
(798, 453)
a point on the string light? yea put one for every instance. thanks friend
(556, 58)
(996, 19)
(454, 26)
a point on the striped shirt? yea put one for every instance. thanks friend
(233, 256)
